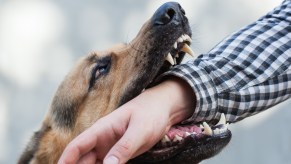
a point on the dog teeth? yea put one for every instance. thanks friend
(185, 48)
(222, 120)
(187, 38)
(165, 139)
(220, 130)
(170, 59)
(177, 138)
(183, 37)
(188, 50)
(175, 45)
(207, 129)
(180, 39)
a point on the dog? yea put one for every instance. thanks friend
(102, 81)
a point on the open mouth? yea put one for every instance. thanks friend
(180, 47)
(180, 137)
(179, 133)
(178, 51)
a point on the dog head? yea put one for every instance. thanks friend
(102, 81)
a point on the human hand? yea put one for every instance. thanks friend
(134, 127)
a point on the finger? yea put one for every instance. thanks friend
(81, 145)
(87, 140)
(89, 158)
(128, 145)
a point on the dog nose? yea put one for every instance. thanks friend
(166, 13)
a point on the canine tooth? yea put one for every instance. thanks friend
(201, 126)
(177, 138)
(175, 45)
(165, 139)
(207, 129)
(188, 50)
(180, 39)
(170, 59)
(222, 120)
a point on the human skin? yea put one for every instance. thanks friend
(134, 127)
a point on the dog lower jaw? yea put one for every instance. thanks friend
(202, 141)
(191, 149)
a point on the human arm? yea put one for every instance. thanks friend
(248, 72)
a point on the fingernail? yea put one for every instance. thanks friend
(111, 160)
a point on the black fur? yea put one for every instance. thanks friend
(64, 111)
(32, 146)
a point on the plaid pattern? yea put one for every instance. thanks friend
(248, 72)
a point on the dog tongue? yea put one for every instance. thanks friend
(180, 130)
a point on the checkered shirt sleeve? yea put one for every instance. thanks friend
(247, 73)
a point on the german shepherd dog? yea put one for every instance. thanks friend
(102, 81)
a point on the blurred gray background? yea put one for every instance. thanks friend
(41, 40)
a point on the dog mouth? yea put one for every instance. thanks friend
(175, 55)
(180, 47)
(182, 138)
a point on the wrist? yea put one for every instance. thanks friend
(179, 98)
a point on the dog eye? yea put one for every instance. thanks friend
(101, 68)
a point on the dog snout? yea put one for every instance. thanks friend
(168, 12)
